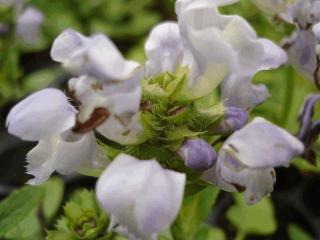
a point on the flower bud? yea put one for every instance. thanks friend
(197, 154)
(234, 119)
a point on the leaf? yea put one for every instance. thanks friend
(195, 210)
(20, 213)
(53, 196)
(257, 219)
(207, 232)
(15, 209)
(296, 233)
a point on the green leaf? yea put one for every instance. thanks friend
(296, 233)
(206, 232)
(53, 196)
(24, 213)
(257, 219)
(195, 210)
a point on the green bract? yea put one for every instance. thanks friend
(83, 219)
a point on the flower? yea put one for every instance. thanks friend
(197, 154)
(108, 88)
(247, 158)
(301, 49)
(309, 129)
(215, 48)
(141, 196)
(28, 25)
(47, 117)
(95, 55)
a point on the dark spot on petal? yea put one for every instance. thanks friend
(239, 187)
(287, 45)
(97, 86)
(126, 133)
(252, 198)
(98, 116)
(273, 174)
(233, 148)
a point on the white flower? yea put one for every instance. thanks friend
(303, 13)
(111, 108)
(141, 196)
(215, 48)
(46, 116)
(95, 55)
(109, 90)
(28, 25)
(246, 160)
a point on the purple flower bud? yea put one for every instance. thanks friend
(235, 119)
(309, 130)
(197, 154)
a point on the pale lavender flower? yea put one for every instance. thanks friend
(28, 25)
(142, 198)
(108, 88)
(47, 117)
(247, 158)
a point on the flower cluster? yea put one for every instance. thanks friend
(303, 46)
(166, 112)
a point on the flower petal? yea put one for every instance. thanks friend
(274, 56)
(66, 44)
(256, 183)
(125, 130)
(95, 55)
(263, 145)
(301, 52)
(41, 115)
(64, 154)
(106, 61)
(163, 49)
(241, 93)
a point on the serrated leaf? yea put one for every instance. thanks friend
(195, 211)
(257, 219)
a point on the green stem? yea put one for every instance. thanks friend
(288, 97)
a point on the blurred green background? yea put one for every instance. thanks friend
(293, 211)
